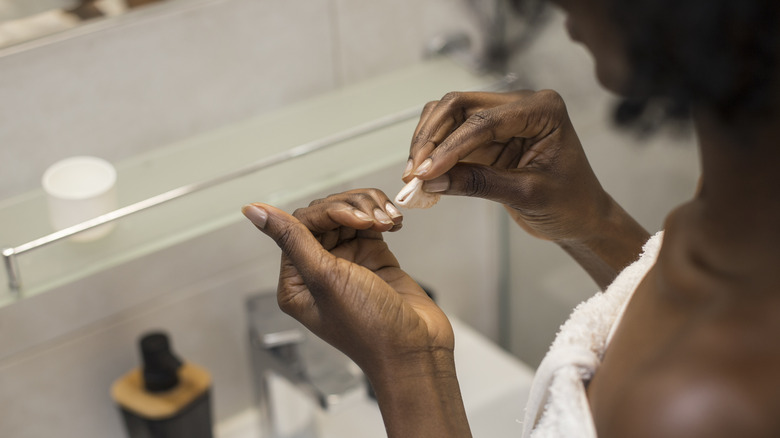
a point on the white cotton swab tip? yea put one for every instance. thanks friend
(412, 195)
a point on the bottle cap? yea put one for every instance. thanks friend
(160, 365)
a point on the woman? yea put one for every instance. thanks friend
(685, 341)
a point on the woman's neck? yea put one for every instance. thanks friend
(740, 171)
(736, 213)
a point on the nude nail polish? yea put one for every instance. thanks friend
(437, 185)
(257, 215)
(408, 170)
(424, 167)
(392, 211)
(382, 217)
(361, 215)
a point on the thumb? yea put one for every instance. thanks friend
(294, 239)
(515, 186)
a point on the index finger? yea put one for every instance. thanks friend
(536, 115)
(315, 264)
(442, 117)
(324, 217)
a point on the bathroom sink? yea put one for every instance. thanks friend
(494, 385)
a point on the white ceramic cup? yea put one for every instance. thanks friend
(79, 189)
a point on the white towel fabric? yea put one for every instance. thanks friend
(557, 405)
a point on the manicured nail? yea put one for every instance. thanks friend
(392, 210)
(424, 167)
(382, 217)
(408, 170)
(437, 185)
(362, 216)
(257, 215)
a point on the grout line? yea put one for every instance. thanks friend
(336, 51)
(125, 316)
(504, 287)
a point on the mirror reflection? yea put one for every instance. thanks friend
(25, 20)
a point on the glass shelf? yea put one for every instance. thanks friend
(222, 151)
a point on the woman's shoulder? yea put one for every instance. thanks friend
(704, 392)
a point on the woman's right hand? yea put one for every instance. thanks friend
(520, 149)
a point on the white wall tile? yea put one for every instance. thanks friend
(377, 35)
(153, 79)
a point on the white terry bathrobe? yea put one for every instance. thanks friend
(557, 405)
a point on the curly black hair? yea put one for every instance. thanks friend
(718, 54)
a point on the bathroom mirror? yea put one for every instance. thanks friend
(90, 89)
(26, 20)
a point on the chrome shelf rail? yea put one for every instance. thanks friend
(10, 254)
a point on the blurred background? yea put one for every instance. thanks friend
(125, 80)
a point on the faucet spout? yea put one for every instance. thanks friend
(281, 347)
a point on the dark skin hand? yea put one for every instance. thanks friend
(341, 281)
(520, 149)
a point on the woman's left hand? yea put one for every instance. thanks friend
(339, 278)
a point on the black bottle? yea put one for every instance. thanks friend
(168, 398)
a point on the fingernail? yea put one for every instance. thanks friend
(392, 210)
(424, 167)
(408, 170)
(437, 185)
(257, 215)
(362, 216)
(382, 217)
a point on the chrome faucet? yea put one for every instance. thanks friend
(283, 350)
(504, 27)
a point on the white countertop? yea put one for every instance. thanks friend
(494, 385)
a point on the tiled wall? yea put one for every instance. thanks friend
(160, 75)
(10, 9)
(155, 78)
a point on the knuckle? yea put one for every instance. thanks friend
(552, 98)
(376, 193)
(430, 105)
(331, 197)
(422, 136)
(287, 236)
(452, 98)
(316, 202)
(301, 212)
(476, 184)
(361, 196)
(480, 120)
